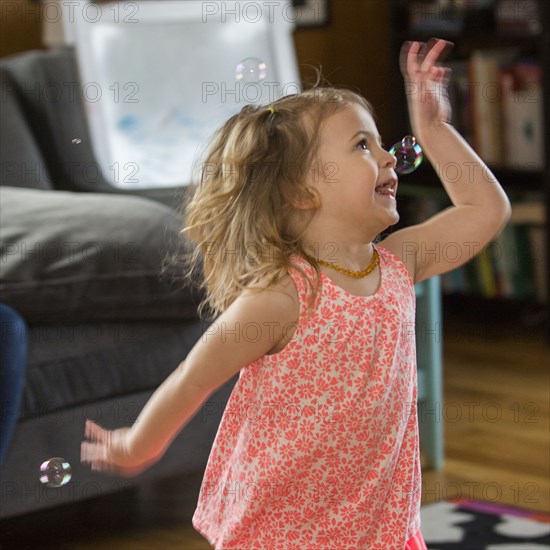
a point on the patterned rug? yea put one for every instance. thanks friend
(474, 525)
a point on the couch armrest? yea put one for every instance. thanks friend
(169, 196)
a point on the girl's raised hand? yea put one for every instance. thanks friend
(426, 84)
(109, 451)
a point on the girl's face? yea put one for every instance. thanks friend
(354, 166)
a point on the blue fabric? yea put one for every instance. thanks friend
(13, 357)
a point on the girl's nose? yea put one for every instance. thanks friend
(388, 160)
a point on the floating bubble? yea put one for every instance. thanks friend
(408, 154)
(55, 472)
(251, 69)
(76, 140)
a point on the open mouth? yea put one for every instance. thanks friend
(389, 188)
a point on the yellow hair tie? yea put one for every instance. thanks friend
(271, 110)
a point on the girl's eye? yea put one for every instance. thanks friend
(363, 145)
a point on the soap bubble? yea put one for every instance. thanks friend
(408, 154)
(55, 472)
(76, 140)
(251, 69)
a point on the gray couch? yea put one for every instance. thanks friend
(81, 262)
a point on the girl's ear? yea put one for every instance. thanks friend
(305, 195)
(306, 198)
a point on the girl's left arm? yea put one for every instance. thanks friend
(480, 207)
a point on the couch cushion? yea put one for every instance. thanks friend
(72, 364)
(21, 163)
(89, 256)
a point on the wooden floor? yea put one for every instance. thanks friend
(496, 421)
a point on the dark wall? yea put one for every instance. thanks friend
(355, 51)
(20, 26)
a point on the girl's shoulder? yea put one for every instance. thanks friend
(283, 300)
(398, 245)
(282, 293)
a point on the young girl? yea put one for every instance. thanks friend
(318, 445)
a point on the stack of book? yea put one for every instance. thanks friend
(497, 105)
(513, 265)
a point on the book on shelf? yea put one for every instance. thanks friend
(528, 212)
(512, 266)
(486, 273)
(524, 279)
(436, 16)
(505, 262)
(538, 236)
(460, 96)
(518, 17)
(496, 99)
(522, 115)
(488, 120)
(450, 16)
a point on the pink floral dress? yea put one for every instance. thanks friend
(318, 446)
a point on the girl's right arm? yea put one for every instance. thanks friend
(221, 352)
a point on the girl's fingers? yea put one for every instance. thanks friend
(438, 74)
(93, 451)
(441, 74)
(103, 451)
(412, 57)
(403, 56)
(96, 455)
(419, 56)
(96, 433)
(407, 58)
(89, 429)
(435, 53)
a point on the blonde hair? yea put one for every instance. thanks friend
(239, 216)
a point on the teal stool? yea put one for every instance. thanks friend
(429, 344)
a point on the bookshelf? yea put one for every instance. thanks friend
(500, 94)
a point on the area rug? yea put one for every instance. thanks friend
(474, 525)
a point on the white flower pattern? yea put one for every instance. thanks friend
(318, 446)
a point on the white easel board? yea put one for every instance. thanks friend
(159, 77)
